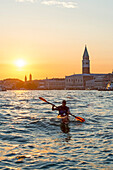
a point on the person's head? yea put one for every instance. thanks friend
(63, 103)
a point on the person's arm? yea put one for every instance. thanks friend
(54, 107)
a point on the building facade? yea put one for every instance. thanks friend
(86, 80)
(55, 84)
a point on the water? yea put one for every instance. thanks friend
(31, 136)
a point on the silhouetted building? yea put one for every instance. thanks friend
(30, 77)
(13, 84)
(25, 78)
(85, 62)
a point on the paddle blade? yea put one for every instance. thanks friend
(80, 119)
(43, 99)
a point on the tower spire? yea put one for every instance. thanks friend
(85, 62)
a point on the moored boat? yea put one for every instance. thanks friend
(108, 88)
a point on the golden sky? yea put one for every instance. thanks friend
(50, 36)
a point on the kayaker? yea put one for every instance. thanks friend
(63, 109)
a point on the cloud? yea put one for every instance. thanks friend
(58, 3)
(26, 1)
(68, 4)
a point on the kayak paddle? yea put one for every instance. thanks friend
(76, 117)
(46, 101)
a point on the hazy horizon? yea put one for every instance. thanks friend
(50, 37)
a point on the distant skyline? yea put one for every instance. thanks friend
(50, 37)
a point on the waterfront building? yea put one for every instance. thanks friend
(87, 80)
(77, 81)
(40, 84)
(25, 78)
(13, 84)
(30, 77)
(55, 84)
(98, 81)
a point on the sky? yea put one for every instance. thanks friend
(50, 36)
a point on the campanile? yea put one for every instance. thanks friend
(85, 62)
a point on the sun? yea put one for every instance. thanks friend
(20, 63)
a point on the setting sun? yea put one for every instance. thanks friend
(20, 63)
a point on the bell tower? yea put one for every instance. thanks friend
(30, 77)
(85, 62)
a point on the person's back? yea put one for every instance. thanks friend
(63, 109)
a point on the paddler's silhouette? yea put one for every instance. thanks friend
(63, 111)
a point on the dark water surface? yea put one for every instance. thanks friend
(31, 136)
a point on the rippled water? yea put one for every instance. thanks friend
(31, 136)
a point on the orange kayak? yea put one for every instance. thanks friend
(65, 119)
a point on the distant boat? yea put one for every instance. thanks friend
(108, 88)
(2, 89)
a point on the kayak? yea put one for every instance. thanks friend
(64, 119)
